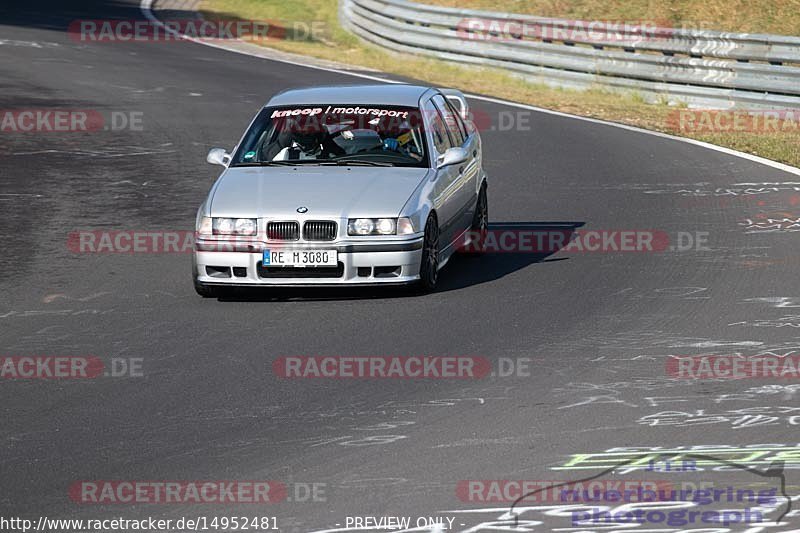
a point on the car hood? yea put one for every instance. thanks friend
(325, 191)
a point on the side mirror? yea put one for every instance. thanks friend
(218, 156)
(453, 156)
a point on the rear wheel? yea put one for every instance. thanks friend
(429, 265)
(480, 223)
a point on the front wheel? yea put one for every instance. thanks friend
(429, 265)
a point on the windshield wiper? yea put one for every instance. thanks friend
(327, 162)
(284, 163)
(354, 162)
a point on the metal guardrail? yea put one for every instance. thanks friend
(700, 67)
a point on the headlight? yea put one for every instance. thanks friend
(360, 226)
(372, 226)
(234, 226)
(386, 226)
(245, 226)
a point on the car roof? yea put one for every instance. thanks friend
(375, 94)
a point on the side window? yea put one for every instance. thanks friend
(450, 119)
(459, 121)
(441, 140)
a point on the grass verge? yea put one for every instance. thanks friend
(748, 16)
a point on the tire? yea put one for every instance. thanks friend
(429, 264)
(480, 223)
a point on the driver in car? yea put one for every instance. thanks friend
(401, 144)
(295, 143)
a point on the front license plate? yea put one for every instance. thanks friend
(300, 258)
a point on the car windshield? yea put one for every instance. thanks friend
(335, 134)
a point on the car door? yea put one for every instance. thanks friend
(446, 182)
(466, 182)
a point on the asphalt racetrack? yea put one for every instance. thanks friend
(588, 334)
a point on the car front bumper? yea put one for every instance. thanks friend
(360, 263)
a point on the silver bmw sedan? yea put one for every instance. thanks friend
(344, 185)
